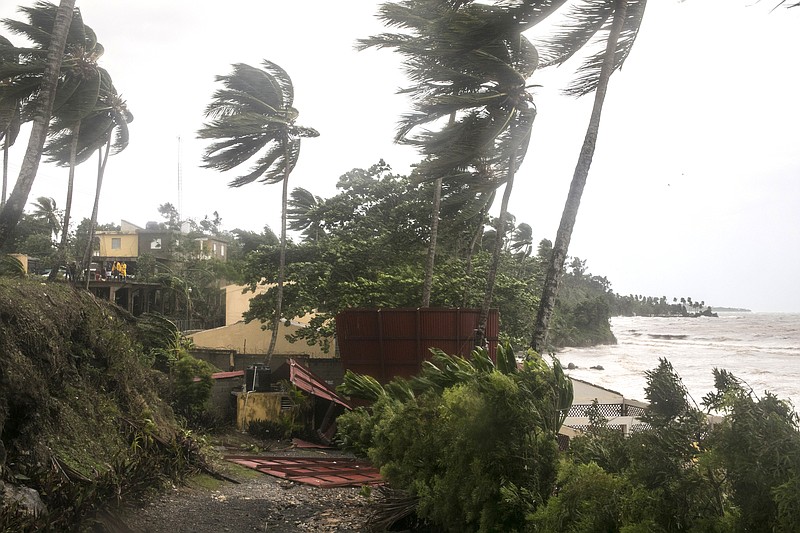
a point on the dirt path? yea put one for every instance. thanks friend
(260, 503)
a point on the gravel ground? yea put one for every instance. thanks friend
(260, 503)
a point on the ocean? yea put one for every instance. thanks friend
(762, 349)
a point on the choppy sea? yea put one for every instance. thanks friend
(762, 349)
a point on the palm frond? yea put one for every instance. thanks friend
(589, 72)
(283, 80)
(582, 23)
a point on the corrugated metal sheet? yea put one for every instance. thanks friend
(306, 380)
(320, 472)
(385, 343)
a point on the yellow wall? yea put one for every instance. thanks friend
(129, 244)
(250, 338)
(23, 259)
(237, 303)
(251, 406)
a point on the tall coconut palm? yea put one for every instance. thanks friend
(45, 209)
(522, 240)
(614, 24)
(106, 131)
(253, 114)
(469, 64)
(78, 85)
(76, 98)
(9, 115)
(57, 37)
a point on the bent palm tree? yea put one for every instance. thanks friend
(78, 83)
(469, 63)
(253, 113)
(619, 20)
(45, 209)
(107, 129)
(304, 216)
(9, 115)
(56, 40)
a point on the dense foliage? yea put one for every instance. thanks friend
(82, 415)
(683, 474)
(471, 443)
(471, 448)
(366, 247)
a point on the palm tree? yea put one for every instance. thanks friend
(46, 210)
(9, 115)
(619, 21)
(469, 64)
(253, 113)
(56, 40)
(303, 214)
(76, 98)
(522, 240)
(77, 90)
(108, 134)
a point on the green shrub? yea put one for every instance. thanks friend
(192, 385)
(472, 444)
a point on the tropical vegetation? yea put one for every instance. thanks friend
(253, 113)
(471, 445)
(468, 444)
(363, 247)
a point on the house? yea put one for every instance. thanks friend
(131, 242)
(621, 413)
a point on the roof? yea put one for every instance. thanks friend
(306, 380)
(224, 375)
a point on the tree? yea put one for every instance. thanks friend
(76, 98)
(253, 112)
(55, 40)
(619, 20)
(470, 64)
(110, 115)
(303, 214)
(371, 241)
(9, 116)
(76, 93)
(472, 442)
(45, 209)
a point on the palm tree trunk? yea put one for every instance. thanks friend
(570, 213)
(437, 202)
(491, 275)
(282, 261)
(61, 256)
(5, 168)
(102, 159)
(13, 208)
(468, 268)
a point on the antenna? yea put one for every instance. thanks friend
(180, 182)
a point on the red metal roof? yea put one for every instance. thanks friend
(223, 375)
(306, 380)
(325, 472)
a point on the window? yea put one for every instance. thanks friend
(214, 248)
(116, 243)
(222, 250)
(155, 244)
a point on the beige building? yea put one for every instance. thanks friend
(250, 338)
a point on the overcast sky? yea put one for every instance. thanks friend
(695, 186)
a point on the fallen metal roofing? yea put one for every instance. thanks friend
(325, 472)
(225, 375)
(306, 380)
